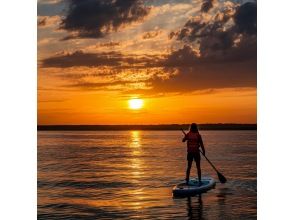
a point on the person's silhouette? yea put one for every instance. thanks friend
(194, 141)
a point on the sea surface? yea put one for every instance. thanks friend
(130, 175)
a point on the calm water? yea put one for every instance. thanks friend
(130, 175)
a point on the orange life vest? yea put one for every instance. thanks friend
(193, 142)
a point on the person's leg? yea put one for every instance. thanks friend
(188, 168)
(198, 167)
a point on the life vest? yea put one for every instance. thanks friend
(193, 142)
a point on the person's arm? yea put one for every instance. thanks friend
(202, 145)
(185, 138)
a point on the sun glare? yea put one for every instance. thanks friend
(135, 103)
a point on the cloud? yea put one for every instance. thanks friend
(150, 34)
(41, 22)
(109, 44)
(46, 41)
(111, 59)
(97, 18)
(193, 72)
(120, 85)
(206, 5)
(203, 77)
(181, 71)
(227, 31)
(188, 57)
(79, 58)
(246, 18)
(48, 21)
(184, 57)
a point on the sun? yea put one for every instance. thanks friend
(135, 103)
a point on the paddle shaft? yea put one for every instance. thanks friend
(204, 156)
(209, 161)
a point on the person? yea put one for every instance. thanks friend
(194, 141)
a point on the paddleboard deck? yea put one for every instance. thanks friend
(193, 187)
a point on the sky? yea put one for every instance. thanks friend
(188, 60)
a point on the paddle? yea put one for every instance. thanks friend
(221, 177)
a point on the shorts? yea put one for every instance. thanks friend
(195, 156)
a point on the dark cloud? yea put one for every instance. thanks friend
(231, 28)
(192, 30)
(198, 28)
(96, 18)
(80, 58)
(246, 18)
(189, 72)
(207, 76)
(206, 5)
(184, 57)
(105, 85)
(111, 59)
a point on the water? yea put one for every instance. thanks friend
(130, 175)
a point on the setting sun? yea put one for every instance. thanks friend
(135, 103)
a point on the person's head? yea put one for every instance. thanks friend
(193, 127)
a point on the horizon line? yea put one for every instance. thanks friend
(205, 126)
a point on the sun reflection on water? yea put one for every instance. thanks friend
(136, 162)
(136, 195)
(135, 139)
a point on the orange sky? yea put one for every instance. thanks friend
(89, 67)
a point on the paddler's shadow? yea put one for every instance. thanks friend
(194, 207)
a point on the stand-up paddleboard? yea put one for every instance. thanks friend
(193, 187)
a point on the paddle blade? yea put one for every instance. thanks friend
(221, 177)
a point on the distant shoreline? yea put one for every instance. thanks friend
(144, 127)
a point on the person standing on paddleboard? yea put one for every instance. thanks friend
(194, 141)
